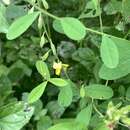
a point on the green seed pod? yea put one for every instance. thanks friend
(40, 22)
(43, 40)
(45, 4)
(45, 56)
(82, 92)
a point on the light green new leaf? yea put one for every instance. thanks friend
(123, 67)
(43, 69)
(109, 52)
(84, 115)
(125, 109)
(73, 28)
(16, 120)
(65, 96)
(98, 91)
(126, 120)
(58, 82)
(20, 25)
(37, 92)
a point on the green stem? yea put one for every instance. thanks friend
(66, 74)
(127, 35)
(43, 11)
(51, 43)
(48, 27)
(0, 47)
(100, 17)
(95, 108)
(94, 31)
(106, 82)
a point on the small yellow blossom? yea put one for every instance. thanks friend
(65, 66)
(58, 67)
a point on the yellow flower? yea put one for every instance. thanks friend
(65, 66)
(58, 67)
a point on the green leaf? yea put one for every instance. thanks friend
(126, 10)
(21, 65)
(5, 88)
(125, 110)
(57, 26)
(65, 96)
(43, 69)
(95, 2)
(71, 27)
(128, 94)
(16, 120)
(109, 52)
(18, 9)
(44, 123)
(101, 126)
(84, 115)
(58, 82)
(113, 7)
(123, 67)
(67, 126)
(126, 120)
(91, 10)
(3, 70)
(3, 22)
(37, 92)
(98, 91)
(54, 109)
(20, 25)
(10, 108)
